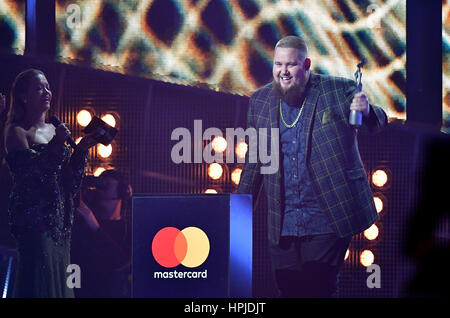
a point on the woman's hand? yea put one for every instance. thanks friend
(88, 141)
(62, 133)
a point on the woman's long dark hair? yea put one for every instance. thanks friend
(17, 109)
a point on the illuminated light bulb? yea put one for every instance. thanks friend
(347, 254)
(84, 117)
(215, 171)
(372, 232)
(366, 258)
(99, 171)
(236, 175)
(241, 149)
(379, 178)
(210, 191)
(219, 144)
(109, 119)
(104, 151)
(378, 204)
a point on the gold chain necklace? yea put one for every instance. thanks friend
(296, 120)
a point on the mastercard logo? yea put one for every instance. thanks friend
(188, 247)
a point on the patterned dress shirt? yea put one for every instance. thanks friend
(302, 214)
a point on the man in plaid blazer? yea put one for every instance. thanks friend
(308, 244)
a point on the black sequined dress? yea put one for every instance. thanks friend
(46, 177)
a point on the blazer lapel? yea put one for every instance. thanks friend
(310, 107)
(274, 122)
(274, 111)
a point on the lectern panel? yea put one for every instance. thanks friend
(192, 245)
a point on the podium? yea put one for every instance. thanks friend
(192, 245)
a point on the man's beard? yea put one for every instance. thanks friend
(293, 95)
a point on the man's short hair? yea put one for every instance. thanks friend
(294, 42)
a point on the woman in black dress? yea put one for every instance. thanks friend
(46, 176)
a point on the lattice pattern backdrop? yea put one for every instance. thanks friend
(227, 45)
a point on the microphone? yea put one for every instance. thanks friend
(355, 117)
(56, 122)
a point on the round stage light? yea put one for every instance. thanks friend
(236, 175)
(241, 149)
(379, 178)
(99, 171)
(109, 119)
(104, 151)
(215, 171)
(372, 232)
(210, 191)
(366, 258)
(84, 117)
(219, 144)
(378, 204)
(347, 254)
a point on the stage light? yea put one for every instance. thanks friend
(210, 191)
(366, 258)
(215, 171)
(236, 175)
(378, 204)
(98, 171)
(347, 254)
(84, 117)
(219, 144)
(241, 149)
(371, 233)
(379, 178)
(109, 119)
(104, 151)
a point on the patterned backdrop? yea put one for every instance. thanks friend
(228, 45)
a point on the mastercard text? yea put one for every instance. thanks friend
(178, 274)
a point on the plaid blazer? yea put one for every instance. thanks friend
(332, 155)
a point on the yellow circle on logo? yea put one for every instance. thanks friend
(197, 247)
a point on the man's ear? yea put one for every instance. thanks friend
(307, 63)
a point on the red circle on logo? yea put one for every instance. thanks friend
(169, 247)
